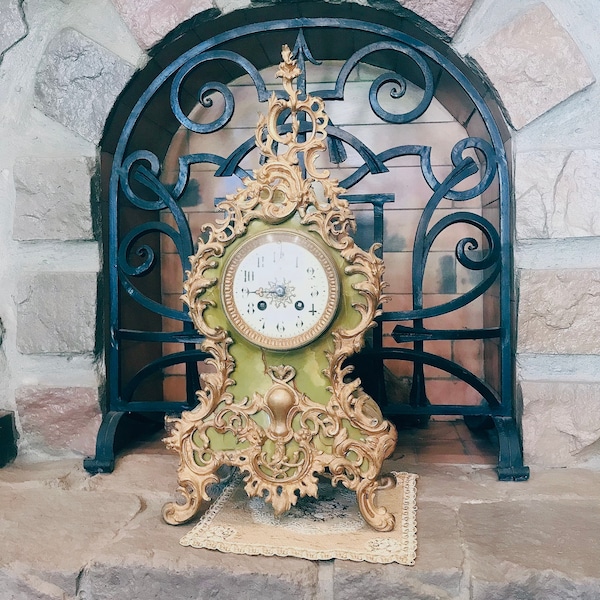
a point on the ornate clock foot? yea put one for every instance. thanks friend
(386, 482)
(175, 513)
(377, 517)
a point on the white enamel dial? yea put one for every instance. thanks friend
(280, 289)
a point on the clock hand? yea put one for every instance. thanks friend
(278, 290)
(278, 294)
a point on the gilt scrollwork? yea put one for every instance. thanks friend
(281, 439)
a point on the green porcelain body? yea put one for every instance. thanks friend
(251, 362)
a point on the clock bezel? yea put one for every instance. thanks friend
(233, 313)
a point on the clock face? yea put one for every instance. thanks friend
(280, 289)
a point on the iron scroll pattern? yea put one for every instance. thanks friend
(136, 182)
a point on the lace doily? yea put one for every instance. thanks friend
(315, 529)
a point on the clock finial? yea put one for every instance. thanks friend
(288, 68)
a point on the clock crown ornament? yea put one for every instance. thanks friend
(283, 297)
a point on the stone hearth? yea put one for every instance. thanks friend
(68, 535)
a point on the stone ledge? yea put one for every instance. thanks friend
(243, 577)
(59, 419)
(50, 534)
(438, 572)
(497, 540)
(532, 549)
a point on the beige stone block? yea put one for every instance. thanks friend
(79, 93)
(14, 27)
(150, 20)
(51, 532)
(60, 418)
(53, 199)
(531, 549)
(446, 15)
(559, 312)
(560, 420)
(557, 194)
(535, 180)
(437, 572)
(534, 65)
(56, 313)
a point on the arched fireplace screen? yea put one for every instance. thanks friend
(415, 145)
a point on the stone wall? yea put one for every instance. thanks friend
(63, 64)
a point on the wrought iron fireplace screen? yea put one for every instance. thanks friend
(148, 213)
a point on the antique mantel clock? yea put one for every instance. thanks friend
(283, 297)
